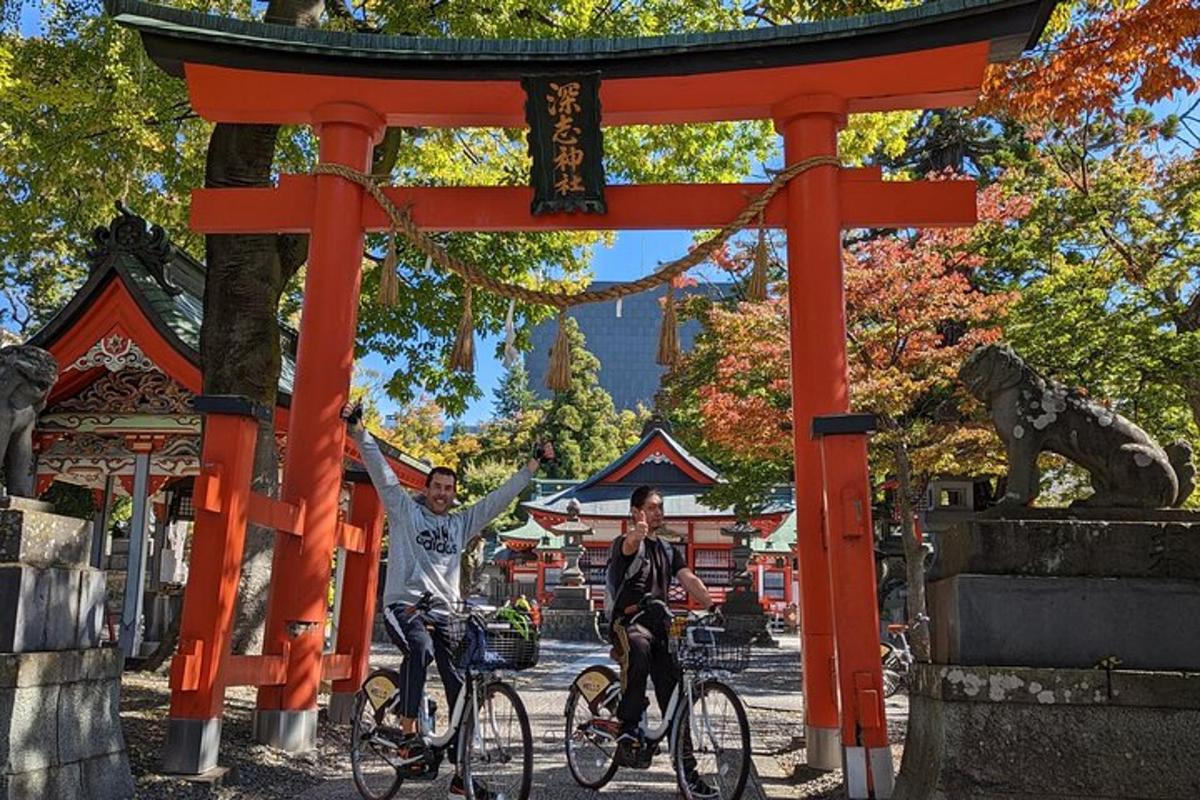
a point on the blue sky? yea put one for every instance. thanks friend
(634, 254)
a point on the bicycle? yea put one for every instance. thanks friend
(704, 715)
(898, 660)
(488, 729)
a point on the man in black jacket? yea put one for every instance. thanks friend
(641, 565)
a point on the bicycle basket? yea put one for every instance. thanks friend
(492, 643)
(728, 651)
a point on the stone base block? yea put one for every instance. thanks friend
(823, 747)
(293, 731)
(570, 625)
(1066, 622)
(1082, 543)
(192, 746)
(1010, 733)
(572, 598)
(60, 730)
(43, 539)
(50, 608)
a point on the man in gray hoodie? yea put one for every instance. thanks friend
(425, 544)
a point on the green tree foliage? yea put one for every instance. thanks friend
(1108, 264)
(586, 429)
(85, 119)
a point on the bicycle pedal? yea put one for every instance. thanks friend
(422, 772)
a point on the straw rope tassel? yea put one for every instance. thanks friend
(462, 357)
(510, 336)
(756, 286)
(668, 337)
(389, 285)
(558, 372)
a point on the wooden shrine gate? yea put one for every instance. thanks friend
(805, 78)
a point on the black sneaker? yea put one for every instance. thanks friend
(631, 748)
(700, 787)
(459, 789)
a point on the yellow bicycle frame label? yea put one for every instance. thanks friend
(379, 689)
(591, 684)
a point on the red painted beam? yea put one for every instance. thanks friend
(336, 666)
(936, 78)
(255, 670)
(351, 537)
(866, 201)
(276, 514)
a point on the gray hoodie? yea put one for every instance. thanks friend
(425, 549)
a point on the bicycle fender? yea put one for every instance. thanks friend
(380, 685)
(592, 684)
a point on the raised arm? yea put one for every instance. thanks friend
(391, 491)
(480, 513)
(486, 509)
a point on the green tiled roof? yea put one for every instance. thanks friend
(532, 531)
(174, 36)
(781, 540)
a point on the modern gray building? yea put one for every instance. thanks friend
(623, 334)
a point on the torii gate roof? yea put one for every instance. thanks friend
(926, 56)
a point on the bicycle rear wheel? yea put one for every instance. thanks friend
(498, 746)
(711, 744)
(372, 760)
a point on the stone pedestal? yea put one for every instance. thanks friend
(60, 731)
(744, 616)
(1067, 660)
(570, 624)
(1003, 733)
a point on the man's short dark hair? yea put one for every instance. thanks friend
(441, 471)
(641, 494)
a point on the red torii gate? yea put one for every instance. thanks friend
(805, 78)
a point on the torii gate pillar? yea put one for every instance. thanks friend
(312, 478)
(817, 311)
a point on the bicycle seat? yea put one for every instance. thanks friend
(896, 627)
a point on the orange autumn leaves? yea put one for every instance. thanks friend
(1150, 49)
(913, 314)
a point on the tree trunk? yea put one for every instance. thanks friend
(914, 556)
(240, 346)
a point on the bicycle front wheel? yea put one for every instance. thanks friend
(711, 745)
(591, 743)
(497, 751)
(372, 761)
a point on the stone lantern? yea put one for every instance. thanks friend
(572, 592)
(741, 532)
(570, 614)
(742, 609)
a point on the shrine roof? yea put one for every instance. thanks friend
(133, 251)
(532, 532)
(656, 460)
(175, 36)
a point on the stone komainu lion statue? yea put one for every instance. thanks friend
(1032, 414)
(27, 374)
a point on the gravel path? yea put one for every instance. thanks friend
(770, 689)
